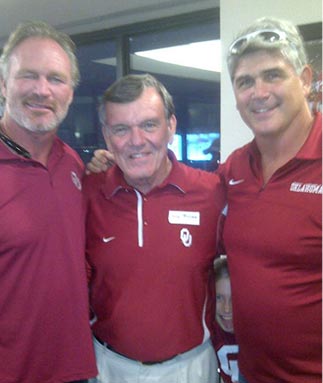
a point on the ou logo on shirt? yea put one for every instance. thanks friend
(186, 237)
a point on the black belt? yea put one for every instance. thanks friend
(147, 363)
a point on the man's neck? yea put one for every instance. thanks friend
(276, 151)
(145, 185)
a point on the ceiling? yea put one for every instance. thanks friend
(78, 16)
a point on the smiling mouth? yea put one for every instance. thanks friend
(135, 156)
(227, 323)
(226, 318)
(39, 106)
(263, 110)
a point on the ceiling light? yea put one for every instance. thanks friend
(205, 55)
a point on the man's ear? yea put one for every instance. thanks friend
(172, 123)
(307, 77)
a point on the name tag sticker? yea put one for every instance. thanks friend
(177, 217)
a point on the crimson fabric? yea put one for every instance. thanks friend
(226, 348)
(45, 335)
(149, 300)
(273, 239)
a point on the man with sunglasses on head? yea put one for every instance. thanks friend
(44, 321)
(272, 234)
(273, 230)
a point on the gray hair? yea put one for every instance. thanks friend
(42, 30)
(292, 47)
(129, 88)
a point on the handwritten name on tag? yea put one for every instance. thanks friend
(177, 217)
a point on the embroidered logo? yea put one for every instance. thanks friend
(235, 182)
(186, 237)
(299, 187)
(107, 239)
(76, 181)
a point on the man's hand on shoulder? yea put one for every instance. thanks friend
(101, 161)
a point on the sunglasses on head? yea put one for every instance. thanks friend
(266, 35)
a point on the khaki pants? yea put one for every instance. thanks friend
(198, 365)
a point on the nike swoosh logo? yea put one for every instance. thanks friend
(107, 239)
(235, 182)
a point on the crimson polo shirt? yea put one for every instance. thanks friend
(273, 238)
(150, 257)
(45, 335)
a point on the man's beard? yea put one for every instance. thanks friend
(16, 113)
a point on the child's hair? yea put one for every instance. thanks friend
(221, 269)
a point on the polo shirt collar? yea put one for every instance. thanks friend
(312, 148)
(7, 154)
(57, 151)
(114, 180)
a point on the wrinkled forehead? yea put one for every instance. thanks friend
(42, 55)
(148, 105)
(257, 60)
(40, 47)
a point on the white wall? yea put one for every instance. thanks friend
(234, 16)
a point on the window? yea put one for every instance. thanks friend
(108, 54)
(81, 128)
(312, 34)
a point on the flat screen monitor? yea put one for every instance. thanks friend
(197, 143)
